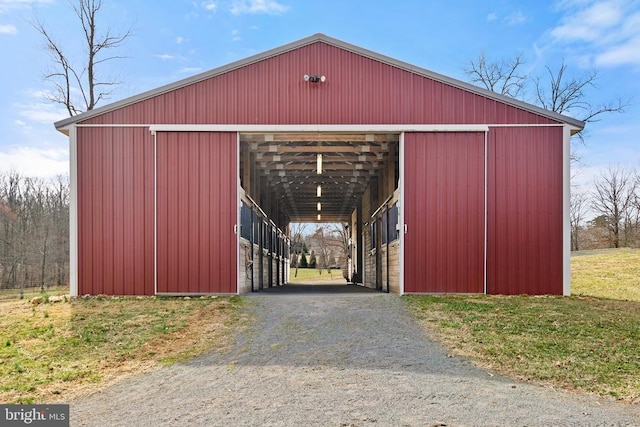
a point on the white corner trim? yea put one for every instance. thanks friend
(401, 210)
(155, 215)
(73, 211)
(239, 193)
(486, 208)
(566, 206)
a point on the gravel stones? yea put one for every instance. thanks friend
(326, 359)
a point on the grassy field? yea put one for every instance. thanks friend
(312, 275)
(52, 352)
(607, 274)
(588, 342)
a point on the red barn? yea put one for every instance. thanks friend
(447, 188)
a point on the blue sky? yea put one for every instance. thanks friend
(175, 39)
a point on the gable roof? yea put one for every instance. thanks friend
(62, 124)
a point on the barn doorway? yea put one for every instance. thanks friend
(345, 178)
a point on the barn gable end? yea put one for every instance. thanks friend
(361, 87)
(478, 182)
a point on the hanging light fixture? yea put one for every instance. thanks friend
(319, 191)
(319, 206)
(319, 217)
(319, 161)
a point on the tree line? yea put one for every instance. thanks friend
(613, 206)
(34, 232)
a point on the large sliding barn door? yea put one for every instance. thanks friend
(444, 212)
(196, 188)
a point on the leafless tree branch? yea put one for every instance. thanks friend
(67, 77)
(503, 76)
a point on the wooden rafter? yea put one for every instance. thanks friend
(287, 163)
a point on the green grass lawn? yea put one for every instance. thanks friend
(50, 352)
(607, 274)
(312, 275)
(587, 342)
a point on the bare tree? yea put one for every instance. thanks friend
(556, 91)
(344, 248)
(320, 242)
(567, 95)
(34, 243)
(503, 76)
(577, 212)
(77, 86)
(613, 196)
(329, 240)
(297, 234)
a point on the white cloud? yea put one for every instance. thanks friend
(210, 6)
(42, 112)
(270, 7)
(35, 162)
(190, 70)
(492, 16)
(8, 29)
(6, 5)
(235, 36)
(22, 125)
(515, 18)
(180, 40)
(608, 29)
(590, 23)
(164, 56)
(625, 53)
(40, 109)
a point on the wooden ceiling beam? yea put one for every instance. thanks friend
(319, 137)
(325, 167)
(273, 148)
(328, 157)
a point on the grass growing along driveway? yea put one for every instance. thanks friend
(587, 343)
(51, 352)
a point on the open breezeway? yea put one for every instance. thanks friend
(352, 359)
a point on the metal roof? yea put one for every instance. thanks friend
(60, 125)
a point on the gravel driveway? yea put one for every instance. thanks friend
(348, 359)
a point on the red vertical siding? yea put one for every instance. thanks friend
(358, 90)
(524, 253)
(197, 207)
(115, 211)
(444, 212)
(197, 178)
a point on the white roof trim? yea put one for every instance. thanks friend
(319, 128)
